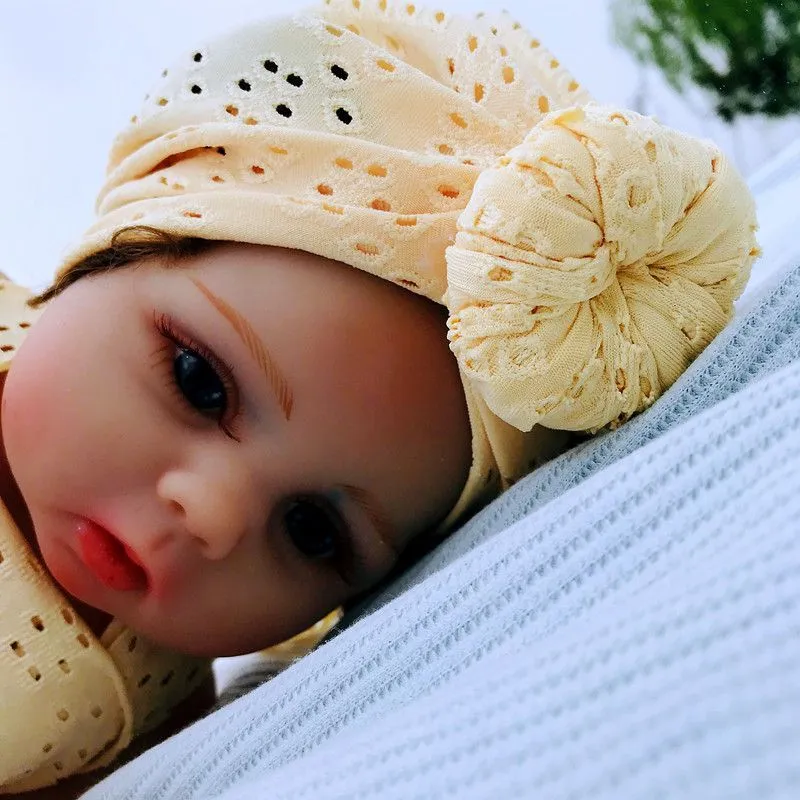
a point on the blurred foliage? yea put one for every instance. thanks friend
(746, 53)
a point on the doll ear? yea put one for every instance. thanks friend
(592, 265)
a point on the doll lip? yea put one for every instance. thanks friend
(112, 561)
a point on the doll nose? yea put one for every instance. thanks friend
(211, 508)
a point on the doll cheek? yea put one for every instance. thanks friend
(24, 402)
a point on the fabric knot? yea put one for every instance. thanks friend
(592, 265)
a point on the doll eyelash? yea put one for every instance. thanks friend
(166, 327)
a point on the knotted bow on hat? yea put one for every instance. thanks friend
(586, 254)
(592, 264)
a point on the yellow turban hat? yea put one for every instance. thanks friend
(586, 254)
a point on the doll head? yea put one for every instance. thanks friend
(390, 181)
(263, 429)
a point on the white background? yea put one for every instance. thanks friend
(72, 73)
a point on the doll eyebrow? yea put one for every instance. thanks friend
(255, 346)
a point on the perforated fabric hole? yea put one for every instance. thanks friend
(638, 195)
(500, 274)
(344, 116)
(284, 110)
(270, 66)
(368, 249)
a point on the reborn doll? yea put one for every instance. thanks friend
(354, 273)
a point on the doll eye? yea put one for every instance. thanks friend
(314, 528)
(199, 383)
(201, 378)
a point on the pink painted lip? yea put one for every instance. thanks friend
(111, 561)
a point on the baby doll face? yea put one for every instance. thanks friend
(262, 430)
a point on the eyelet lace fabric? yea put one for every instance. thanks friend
(586, 254)
(69, 702)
